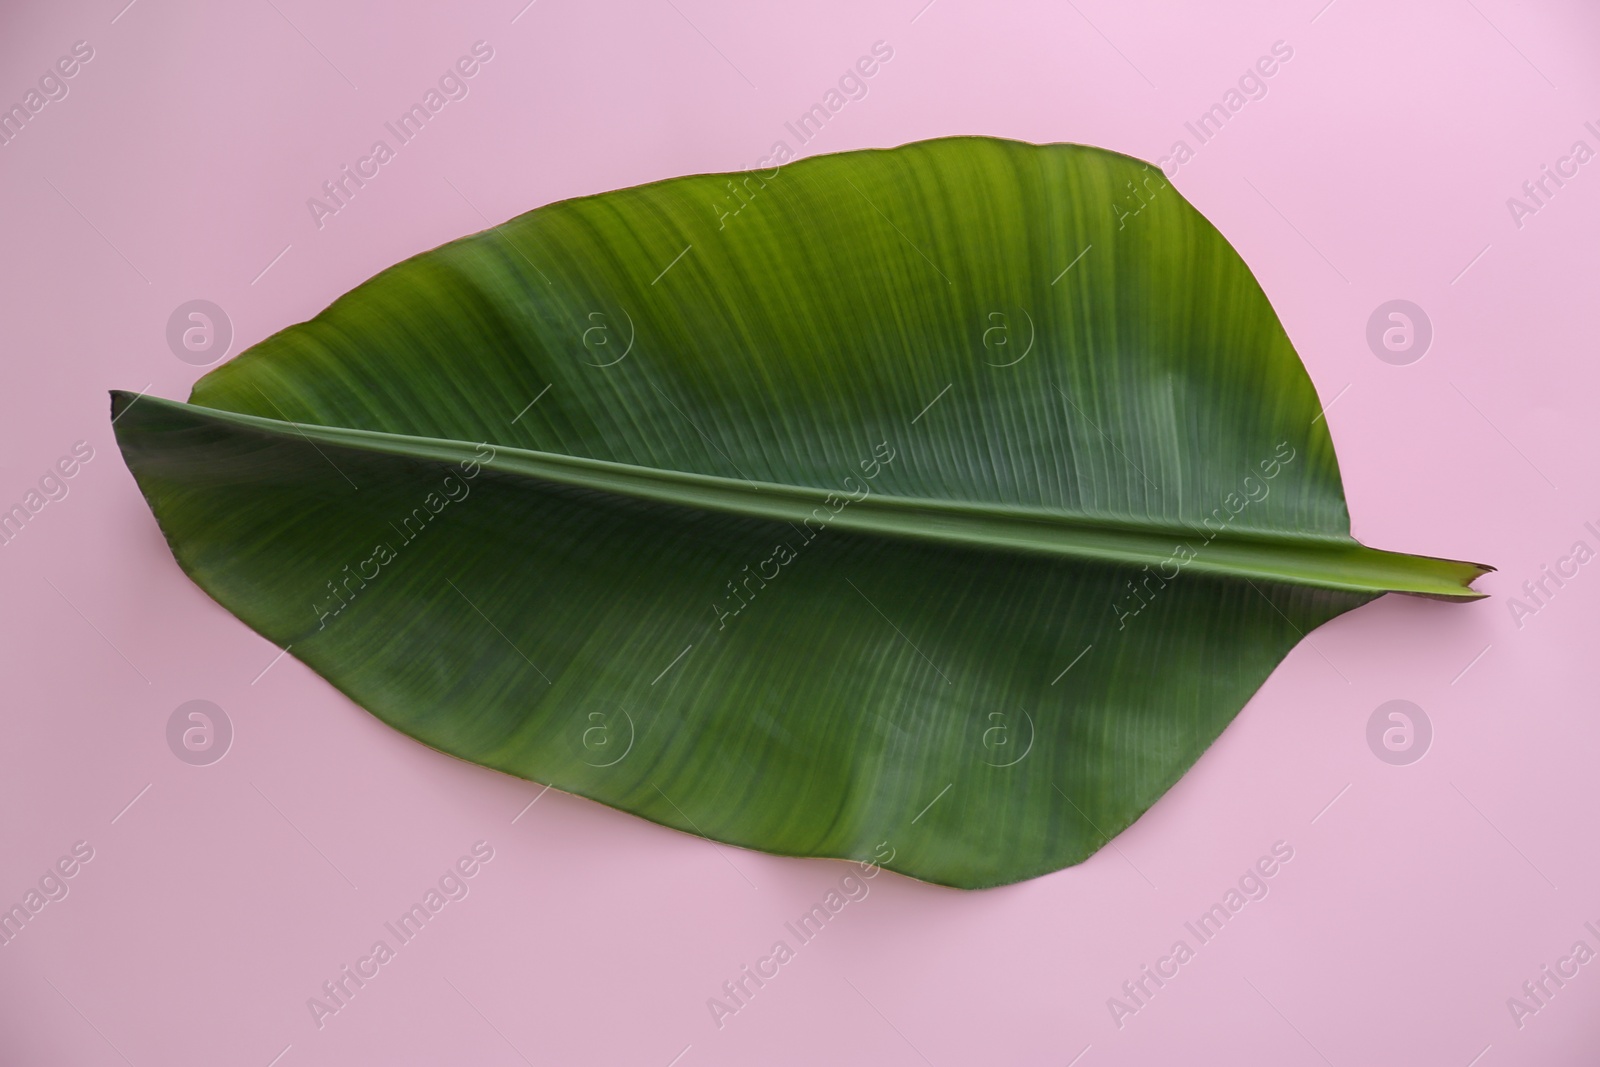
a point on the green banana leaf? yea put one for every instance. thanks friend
(935, 506)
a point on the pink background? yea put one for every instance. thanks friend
(1377, 167)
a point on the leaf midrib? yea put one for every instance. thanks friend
(1321, 561)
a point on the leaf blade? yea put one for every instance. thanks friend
(619, 553)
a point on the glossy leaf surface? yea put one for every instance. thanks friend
(953, 497)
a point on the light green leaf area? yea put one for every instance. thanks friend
(941, 503)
